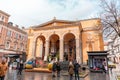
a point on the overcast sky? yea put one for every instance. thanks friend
(33, 12)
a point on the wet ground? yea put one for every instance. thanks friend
(48, 76)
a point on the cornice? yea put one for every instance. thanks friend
(92, 28)
(57, 27)
(4, 13)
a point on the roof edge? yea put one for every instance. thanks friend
(4, 13)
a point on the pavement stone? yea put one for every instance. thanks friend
(12, 75)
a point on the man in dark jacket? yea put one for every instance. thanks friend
(76, 70)
(21, 65)
(58, 68)
(54, 69)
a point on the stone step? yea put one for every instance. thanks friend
(46, 70)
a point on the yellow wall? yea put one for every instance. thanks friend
(95, 35)
(90, 23)
(96, 40)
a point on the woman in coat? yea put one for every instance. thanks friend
(71, 71)
(3, 70)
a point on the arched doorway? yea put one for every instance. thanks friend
(54, 47)
(69, 47)
(40, 47)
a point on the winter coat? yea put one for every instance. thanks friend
(71, 69)
(54, 67)
(76, 67)
(58, 67)
(3, 69)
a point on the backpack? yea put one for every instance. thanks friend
(71, 71)
(1, 71)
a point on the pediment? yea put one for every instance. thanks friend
(53, 23)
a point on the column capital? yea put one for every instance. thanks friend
(61, 39)
(47, 40)
(77, 38)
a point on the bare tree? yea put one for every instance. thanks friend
(110, 15)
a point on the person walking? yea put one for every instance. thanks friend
(20, 69)
(3, 69)
(76, 70)
(58, 68)
(104, 66)
(71, 70)
(54, 69)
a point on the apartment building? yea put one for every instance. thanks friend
(13, 40)
(113, 47)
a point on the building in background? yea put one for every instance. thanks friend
(65, 40)
(112, 45)
(13, 40)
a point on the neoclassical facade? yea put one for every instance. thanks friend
(65, 40)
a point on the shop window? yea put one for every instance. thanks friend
(16, 36)
(9, 33)
(2, 17)
(0, 29)
(7, 45)
(15, 46)
(21, 47)
(19, 36)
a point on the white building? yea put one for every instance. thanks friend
(112, 45)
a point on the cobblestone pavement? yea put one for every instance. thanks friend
(48, 76)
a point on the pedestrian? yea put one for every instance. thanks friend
(111, 69)
(20, 69)
(76, 70)
(3, 69)
(58, 68)
(71, 70)
(54, 69)
(104, 66)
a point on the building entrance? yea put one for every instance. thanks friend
(69, 47)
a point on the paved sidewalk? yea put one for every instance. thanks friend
(48, 76)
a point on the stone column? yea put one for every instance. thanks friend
(46, 49)
(41, 49)
(78, 52)
(33, 49)
(61, 50)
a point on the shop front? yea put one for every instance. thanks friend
(97, 60)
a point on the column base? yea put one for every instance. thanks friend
(45, 58)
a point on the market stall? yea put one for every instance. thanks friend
(97, 60)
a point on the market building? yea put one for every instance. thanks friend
(13, 40)
(65, 40)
